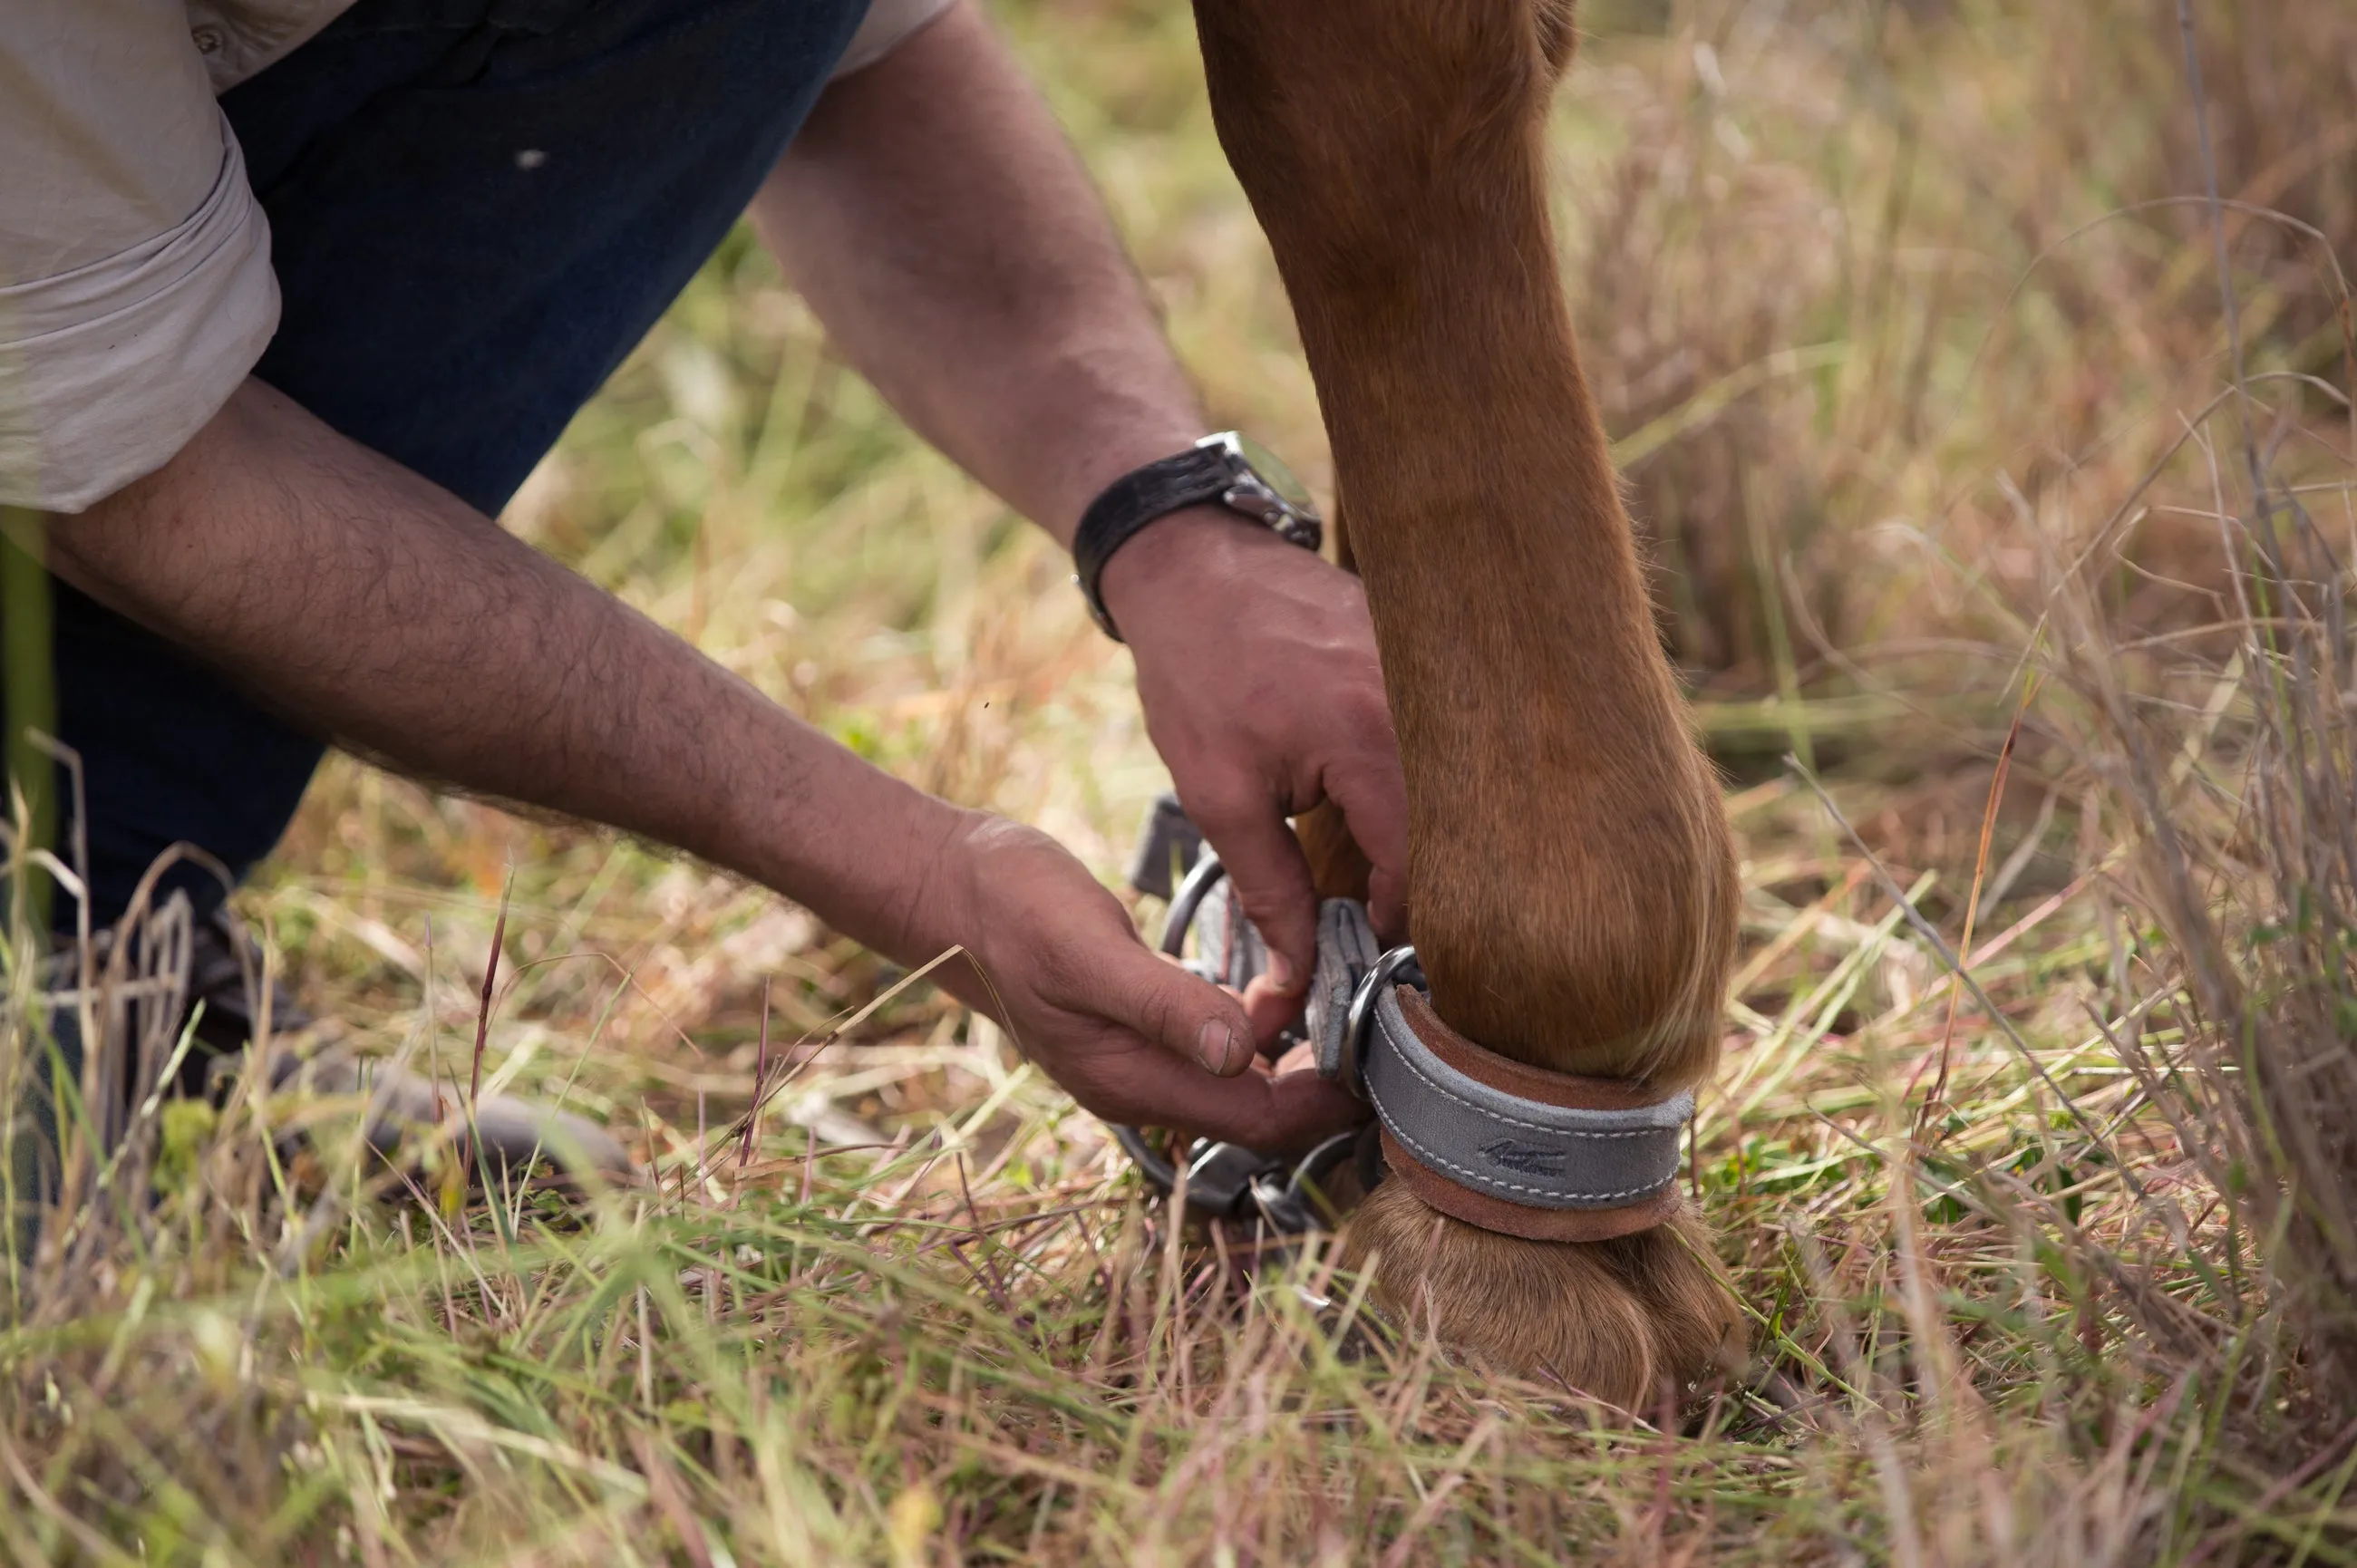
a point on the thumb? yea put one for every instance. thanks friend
(1272, 879)
(1185, 1014)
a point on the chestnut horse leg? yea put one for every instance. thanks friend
(1572, 888)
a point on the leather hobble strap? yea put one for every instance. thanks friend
(1495, 1143)
(1484, 1212)
(1514, 1148)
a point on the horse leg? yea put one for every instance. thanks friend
(1572, 887)
(1338, 868)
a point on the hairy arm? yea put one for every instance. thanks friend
(939, 223)
(368, 604)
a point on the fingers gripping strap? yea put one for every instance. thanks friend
(1517, 1150)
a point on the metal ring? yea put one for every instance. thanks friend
(1300, 1205)
(1156, 1169)
(1200, 878)
(1386, 971)
(1224, 1180)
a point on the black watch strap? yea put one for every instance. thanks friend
(1140, 497)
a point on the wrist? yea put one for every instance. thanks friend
(1227, 467)
(861, 849)
(1178, 554)
(935, 906)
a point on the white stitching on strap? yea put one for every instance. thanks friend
(1487, 1114)
(1480, 1179)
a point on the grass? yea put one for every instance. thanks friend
(1908, 324)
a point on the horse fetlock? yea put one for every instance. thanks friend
(1603, 953)
(1631, 1323)
(1603, 956)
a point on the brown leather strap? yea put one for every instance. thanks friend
(1479, 1208)
(1567, 1091)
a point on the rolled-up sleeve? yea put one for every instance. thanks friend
(135, 289)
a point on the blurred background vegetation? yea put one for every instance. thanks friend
(1907, 323)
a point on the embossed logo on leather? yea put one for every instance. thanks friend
(1532, 1159)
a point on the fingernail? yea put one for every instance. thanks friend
(1280, 971)
(1211, 1045)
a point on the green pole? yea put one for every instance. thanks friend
(28, 704)
(29, 694)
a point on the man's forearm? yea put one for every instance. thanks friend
(945, 232)
(360, 599)
(373, 607)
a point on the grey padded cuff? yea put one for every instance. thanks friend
(1542, 1156)
(1519, 1150)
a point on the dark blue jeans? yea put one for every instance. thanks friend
(477, 208)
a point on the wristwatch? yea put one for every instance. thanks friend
(1230, 468)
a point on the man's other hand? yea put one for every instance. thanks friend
(1130, 1035)
(1256, 667)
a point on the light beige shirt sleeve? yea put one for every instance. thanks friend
(135, 289)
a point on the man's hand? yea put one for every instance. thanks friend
(1130, 1035)
(938, 222)
(1257, 669)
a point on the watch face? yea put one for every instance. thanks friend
(1269, 468)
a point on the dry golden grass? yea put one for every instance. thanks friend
(1908, 323)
